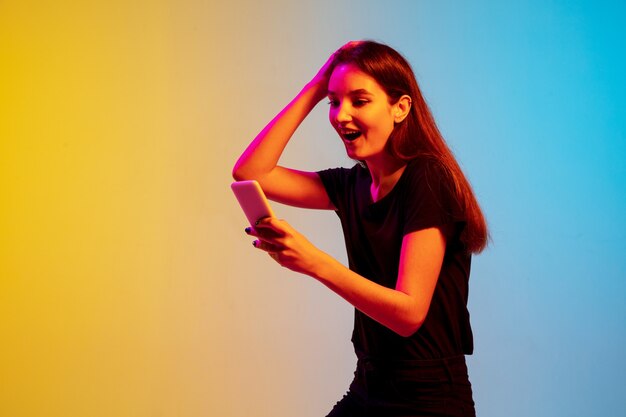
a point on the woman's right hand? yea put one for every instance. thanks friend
(260, 159)
(320, 81)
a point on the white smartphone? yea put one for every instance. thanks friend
(252, 200)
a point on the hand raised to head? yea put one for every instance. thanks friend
(323, 75)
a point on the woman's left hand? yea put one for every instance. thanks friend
(286, 246)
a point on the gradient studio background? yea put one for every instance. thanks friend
(128, 287)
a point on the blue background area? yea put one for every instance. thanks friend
(530, 96)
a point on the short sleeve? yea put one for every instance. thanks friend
(430, 201)
(335, 183)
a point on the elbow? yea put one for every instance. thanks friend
(243, 171)
(410, 326)
(239, 173)
(236, 174)
(408, 330)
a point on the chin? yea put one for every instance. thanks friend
(352, 155)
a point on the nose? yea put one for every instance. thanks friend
(342, 113)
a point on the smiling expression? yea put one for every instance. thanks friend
(360, 112)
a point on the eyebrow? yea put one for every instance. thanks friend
(353, 92)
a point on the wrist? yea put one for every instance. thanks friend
(317, 88)
(324, 267)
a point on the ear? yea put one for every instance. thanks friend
(402, 108)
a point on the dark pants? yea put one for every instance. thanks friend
(408, 388)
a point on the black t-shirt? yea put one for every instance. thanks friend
(373, 233)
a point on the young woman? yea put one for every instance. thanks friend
(410, 222)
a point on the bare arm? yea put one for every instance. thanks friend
(402, 309)
(260, 159)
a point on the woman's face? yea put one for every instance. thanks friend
(360, 112)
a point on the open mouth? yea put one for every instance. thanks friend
(350, 135)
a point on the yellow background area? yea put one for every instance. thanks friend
(87, 206)
(127, 285)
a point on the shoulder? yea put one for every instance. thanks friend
(428, 174)
(338, 183)
(429, 195)
(340, 175)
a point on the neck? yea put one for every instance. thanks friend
(385, 174)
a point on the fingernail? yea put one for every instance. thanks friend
(248, 230)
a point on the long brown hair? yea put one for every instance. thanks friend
(417, 136)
